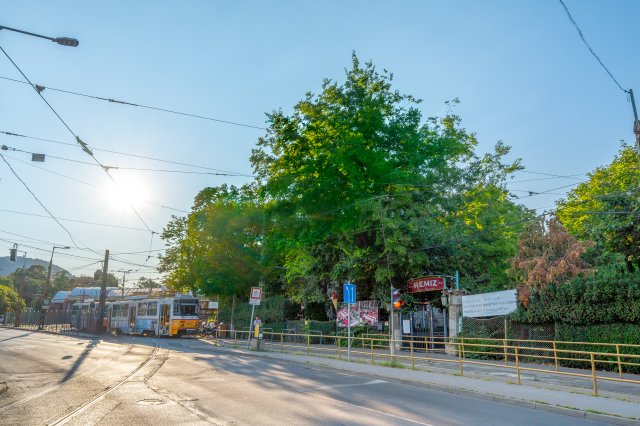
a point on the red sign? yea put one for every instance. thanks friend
(425, 284)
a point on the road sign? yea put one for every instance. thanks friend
(255, 296)
(349, 291)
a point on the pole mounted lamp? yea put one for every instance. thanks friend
(64, 41)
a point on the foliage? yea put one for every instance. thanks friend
(9, 300)
(146, 283)
(273, 309)
(359, 189)
(217, 249)
(610, 295)
(547, 254)
(606, 208)
(620, 333)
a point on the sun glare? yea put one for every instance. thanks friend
(128, 190)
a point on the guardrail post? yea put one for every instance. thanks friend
(504, 345)
(555, 354)
(371, 342)
(619, 362)
(339, 354)
(460, 358)
(308, 343)
(413, 364)
(593, 374)
(517, 365)
(281, 342)
(235, 339)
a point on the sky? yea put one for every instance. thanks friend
(519, 68)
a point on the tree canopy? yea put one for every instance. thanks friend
(352, 185)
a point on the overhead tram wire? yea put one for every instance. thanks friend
(116, 101)
(584, 40)
(91, 185)
(9, 148)
(73, 220)
(7, 133)
(82, 144)
(38, 200)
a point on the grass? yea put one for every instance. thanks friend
(392, 364)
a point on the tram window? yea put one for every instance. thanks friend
(142, 309)
(176, 308)
(187, 309)
(152, 309)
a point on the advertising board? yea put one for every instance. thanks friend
(490, 304)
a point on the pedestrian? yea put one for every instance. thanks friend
(257, 322)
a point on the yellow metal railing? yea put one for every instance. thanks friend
(511, 354)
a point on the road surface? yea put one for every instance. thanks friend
(53, 379)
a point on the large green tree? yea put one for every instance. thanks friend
(606, 208)
(218, 247)
(359, 187)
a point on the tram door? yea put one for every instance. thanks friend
(132, 318)
(165, 319)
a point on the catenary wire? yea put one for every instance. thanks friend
(161, 160)
(116, 101)
(80, 142)
(584, 40)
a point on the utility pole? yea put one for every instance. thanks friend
(103, 293)
(636, 122)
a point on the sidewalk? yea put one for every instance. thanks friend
(610, 407)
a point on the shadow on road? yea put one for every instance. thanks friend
(85, 353)
(17, 337)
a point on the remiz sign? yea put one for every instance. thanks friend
(425, 284)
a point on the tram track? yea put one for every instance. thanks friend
(70, 380)
(100, 396)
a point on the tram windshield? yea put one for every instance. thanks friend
(186, 307)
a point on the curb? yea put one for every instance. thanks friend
(572, 412)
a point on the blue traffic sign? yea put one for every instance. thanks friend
(349, 291)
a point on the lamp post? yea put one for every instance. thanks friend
(64, 41)
(48, 285)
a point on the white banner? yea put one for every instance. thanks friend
(490, 304)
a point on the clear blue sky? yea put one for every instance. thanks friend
(519, 68)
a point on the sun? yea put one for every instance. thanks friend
(127, 190)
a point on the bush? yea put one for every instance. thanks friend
(621, 333)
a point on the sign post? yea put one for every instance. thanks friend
(349, 291)
(254, 300)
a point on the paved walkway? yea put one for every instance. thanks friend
(610, 406)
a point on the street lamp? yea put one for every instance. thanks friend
(64, 41)
(48, 284)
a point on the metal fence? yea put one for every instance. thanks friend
(517, 355)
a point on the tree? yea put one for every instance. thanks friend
(355, 162)
(10, 301)
(547, 254)
(112, 281)
(147, 283)
(218, 248)
(606, 208)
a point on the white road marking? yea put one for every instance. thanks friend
(372, 382)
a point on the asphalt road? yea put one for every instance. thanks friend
(52, 379)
